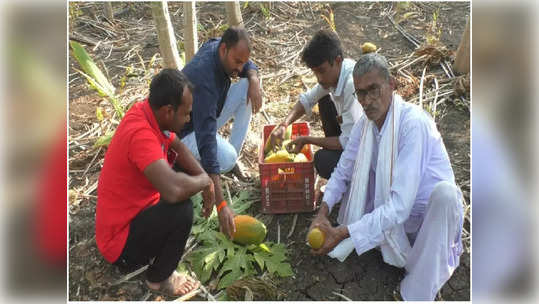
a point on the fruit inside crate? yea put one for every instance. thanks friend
(287, 187)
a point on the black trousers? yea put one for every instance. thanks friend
(159, 232)
(326, 160)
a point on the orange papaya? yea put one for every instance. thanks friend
(248, 230)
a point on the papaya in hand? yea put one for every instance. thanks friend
(316, 238)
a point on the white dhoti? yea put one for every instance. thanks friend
(436, 251)
(398, 199)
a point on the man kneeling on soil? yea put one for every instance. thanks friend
(143, 206)
(401, 194)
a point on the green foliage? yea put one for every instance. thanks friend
(431, 111)
(239, 204)
(128, 73)
(99, 114)
(182, 56)
(91, 69)
(403, 5)
(200, 27)
(273, 258)
(103, 140)
(217, 255)
(265, 11)
(434, 31)
(230, 262)
(95, 77)
(152, 62)
(222, 28)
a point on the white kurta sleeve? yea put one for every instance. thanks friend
(311, 97)
(342, 174)
(367, 233)
(351, 113)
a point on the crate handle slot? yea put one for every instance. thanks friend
(286, 171)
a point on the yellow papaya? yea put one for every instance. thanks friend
(248, 230)
(268, 146)
(368, 47)
(281, 156)
(316, 238)
(300, 158)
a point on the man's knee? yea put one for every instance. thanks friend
(445, 194)
(228, 159)
(320, 164)
(183, 214)
(316, 160)
(239, 89)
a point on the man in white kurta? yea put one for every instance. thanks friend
(396, 186)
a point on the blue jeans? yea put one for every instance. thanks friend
(236, 107)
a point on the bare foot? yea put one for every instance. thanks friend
(176, 285)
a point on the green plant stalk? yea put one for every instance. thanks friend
(104, 93)
(95, 77)
(90, 68)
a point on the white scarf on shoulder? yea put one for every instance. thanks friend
(396, 244)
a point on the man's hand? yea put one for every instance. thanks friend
(297, 144)
(254, 94)
(277, 134)
(226, 222)
(319, 220)
(332, 237)
(208, 195)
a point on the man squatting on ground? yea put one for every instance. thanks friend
(144, 214)
(396, 187)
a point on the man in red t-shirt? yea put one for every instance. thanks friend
(144, 214)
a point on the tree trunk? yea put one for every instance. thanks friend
(462, 59)
(108, 11)
(165, 35)
(233, 13)
(190, 34)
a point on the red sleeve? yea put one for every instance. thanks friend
(144, 149)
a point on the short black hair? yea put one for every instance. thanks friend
(233, 35)
(167, 88)
(324, 46)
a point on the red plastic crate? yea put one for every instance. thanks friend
(287, 187)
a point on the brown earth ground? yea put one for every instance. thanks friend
(277, 40)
